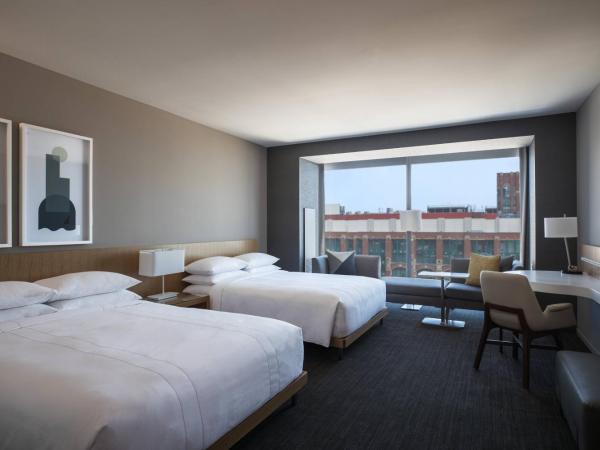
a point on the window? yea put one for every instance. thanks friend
(332, 244)
(398, 272)
(510, 248)
(453, 248)
(482, 247)
(349, 245)
(377, 248)
(426, 251)
(359, 249)
(471, 205)
(398, 250)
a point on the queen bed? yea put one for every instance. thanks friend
(139, 375)
(332, 310)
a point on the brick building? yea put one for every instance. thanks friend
(446, 232)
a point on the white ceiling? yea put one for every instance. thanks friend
(282, 71)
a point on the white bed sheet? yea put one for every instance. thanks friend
(142, 376)
(323, 305)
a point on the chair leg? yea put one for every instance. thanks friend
(501, 339)
(526, 342)
(515, 346)
(482, 340)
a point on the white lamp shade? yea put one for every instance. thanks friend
(154, 263)
(560, 227)
(410, 220)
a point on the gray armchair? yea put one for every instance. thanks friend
(461, 295)
(366, 265)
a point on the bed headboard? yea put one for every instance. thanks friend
(37, 265)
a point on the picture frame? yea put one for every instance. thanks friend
(5, 183)
(56, 196)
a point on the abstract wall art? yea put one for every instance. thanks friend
(5, 183)
(56, 187)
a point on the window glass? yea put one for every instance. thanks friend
(332, 244)
(510, 248)
(398, 250)
(482, 247)
(473, 203)
(453, 248)
(426, 251)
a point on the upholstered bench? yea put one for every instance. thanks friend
(419, 291)
(578, 390)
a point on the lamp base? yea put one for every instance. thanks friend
(162, 296)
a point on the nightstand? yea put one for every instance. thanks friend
(188, 301)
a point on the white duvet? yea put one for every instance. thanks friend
(142, 376)
(322, 305)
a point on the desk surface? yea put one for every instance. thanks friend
(554, 282)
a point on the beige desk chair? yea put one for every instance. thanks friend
(510, 304)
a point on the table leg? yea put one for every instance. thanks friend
(444, 320)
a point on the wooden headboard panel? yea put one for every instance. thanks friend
(38, 265)
(590, 260)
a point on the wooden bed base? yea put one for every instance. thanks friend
(229, 439)
(344, 342)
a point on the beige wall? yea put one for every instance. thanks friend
(158, 178)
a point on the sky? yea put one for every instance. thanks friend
(433, 184)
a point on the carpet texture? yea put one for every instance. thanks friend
(406, 385)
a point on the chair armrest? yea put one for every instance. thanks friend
(368, 266)
(319, 264)
(558, 307)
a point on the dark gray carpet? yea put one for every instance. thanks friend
(405, 385)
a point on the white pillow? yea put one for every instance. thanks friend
(82, 284)
(25, 311)
(209, 280)
(197, 289)
(215, 265)
(119, 298)
(14, 294)
(264, 269)
(258, 259)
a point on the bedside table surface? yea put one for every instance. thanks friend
(187, 301)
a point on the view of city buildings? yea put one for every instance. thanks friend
(447, 231)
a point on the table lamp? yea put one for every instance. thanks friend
(410, 221)
(562, 227)
(161, 262)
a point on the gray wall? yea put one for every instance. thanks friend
(588, 203)
(555, 171)
(158, 178)
(309, 182)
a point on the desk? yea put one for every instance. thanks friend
(554, 282)
(444, 320)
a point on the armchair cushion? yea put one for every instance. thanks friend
(461, 291)
(341, 263)
(462, 265)
(366, 265)
(478, 264)
(418, 287)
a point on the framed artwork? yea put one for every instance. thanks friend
(5, 183)
(56, 187)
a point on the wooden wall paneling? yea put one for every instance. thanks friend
(32, 266)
